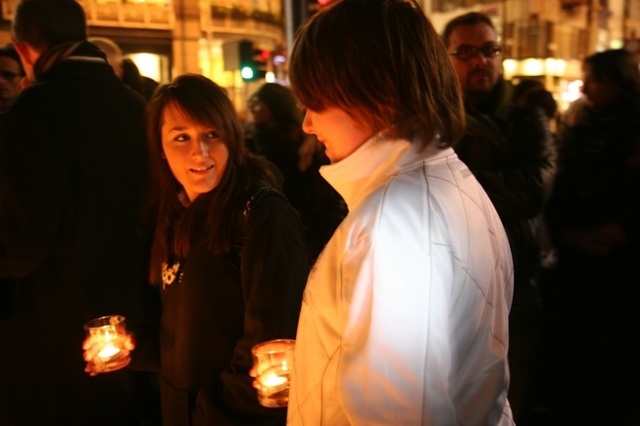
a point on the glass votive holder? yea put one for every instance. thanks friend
(108, 333)
(273, 361)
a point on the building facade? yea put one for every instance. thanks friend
(166, 38)
(542, 39)
(548, 39)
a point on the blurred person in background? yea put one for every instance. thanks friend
(404, 317)
(125, 68)
(530, 93)
(524, 87)
(113, 52)
(277, 134)
(228, 258)
(511, 151)
(138, 82)
(11, 75)
(73, 185)
(593, 220)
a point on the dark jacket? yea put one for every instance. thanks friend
(511, 152)
(216, 307)
(73, 174)
(592, 296)
(599, 183)
(320, 206)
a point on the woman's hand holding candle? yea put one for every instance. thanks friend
(272, 364)
(253, 372)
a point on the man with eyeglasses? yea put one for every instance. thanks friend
(510, 151)
(11, 74)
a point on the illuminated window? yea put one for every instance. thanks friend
(154, 2)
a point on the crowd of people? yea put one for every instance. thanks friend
(443, 245)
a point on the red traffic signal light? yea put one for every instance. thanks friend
(315, 5)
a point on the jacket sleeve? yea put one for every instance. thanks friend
(274, 271)
(146, 356)
(520, 186)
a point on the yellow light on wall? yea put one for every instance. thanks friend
(555, 66)
(509, 66)
(270, 77)
(550, 66)
(532, 66)
(148, 64)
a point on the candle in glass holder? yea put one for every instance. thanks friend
(108, 332)
(273, 361)
(109, 350)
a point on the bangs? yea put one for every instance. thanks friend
(327, 57)
(308, 72)
(355, 55)
(201, 107)
(208, 103)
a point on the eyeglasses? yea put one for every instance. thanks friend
(466, 52)
(8, 75)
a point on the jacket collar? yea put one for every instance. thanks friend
(374, 163)
(73, 51)
(497, 102)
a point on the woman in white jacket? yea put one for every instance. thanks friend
(404, 318)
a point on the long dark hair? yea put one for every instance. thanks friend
(177, 225)
(383, 63)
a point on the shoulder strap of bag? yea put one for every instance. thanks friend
(240, 237)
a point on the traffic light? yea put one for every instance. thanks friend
(253, 62)
(314, 5)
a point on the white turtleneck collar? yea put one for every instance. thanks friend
(373, 163)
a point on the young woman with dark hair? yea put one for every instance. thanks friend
(228, 257)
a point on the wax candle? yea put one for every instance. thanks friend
(108, 351)
(272, 380)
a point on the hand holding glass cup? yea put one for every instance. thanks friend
(107, 345)
(272, 364)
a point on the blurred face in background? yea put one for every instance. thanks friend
(196, 153)
(260, 111)
(598, 93)
(476, 58)
(337, 130)
(10, 78)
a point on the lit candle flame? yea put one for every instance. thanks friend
(108, 351)
(274, 380)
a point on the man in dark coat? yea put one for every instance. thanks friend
(593, 290)
(511, 152)
(73, 178)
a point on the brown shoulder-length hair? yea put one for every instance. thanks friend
(382, 62)
(205, 102)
